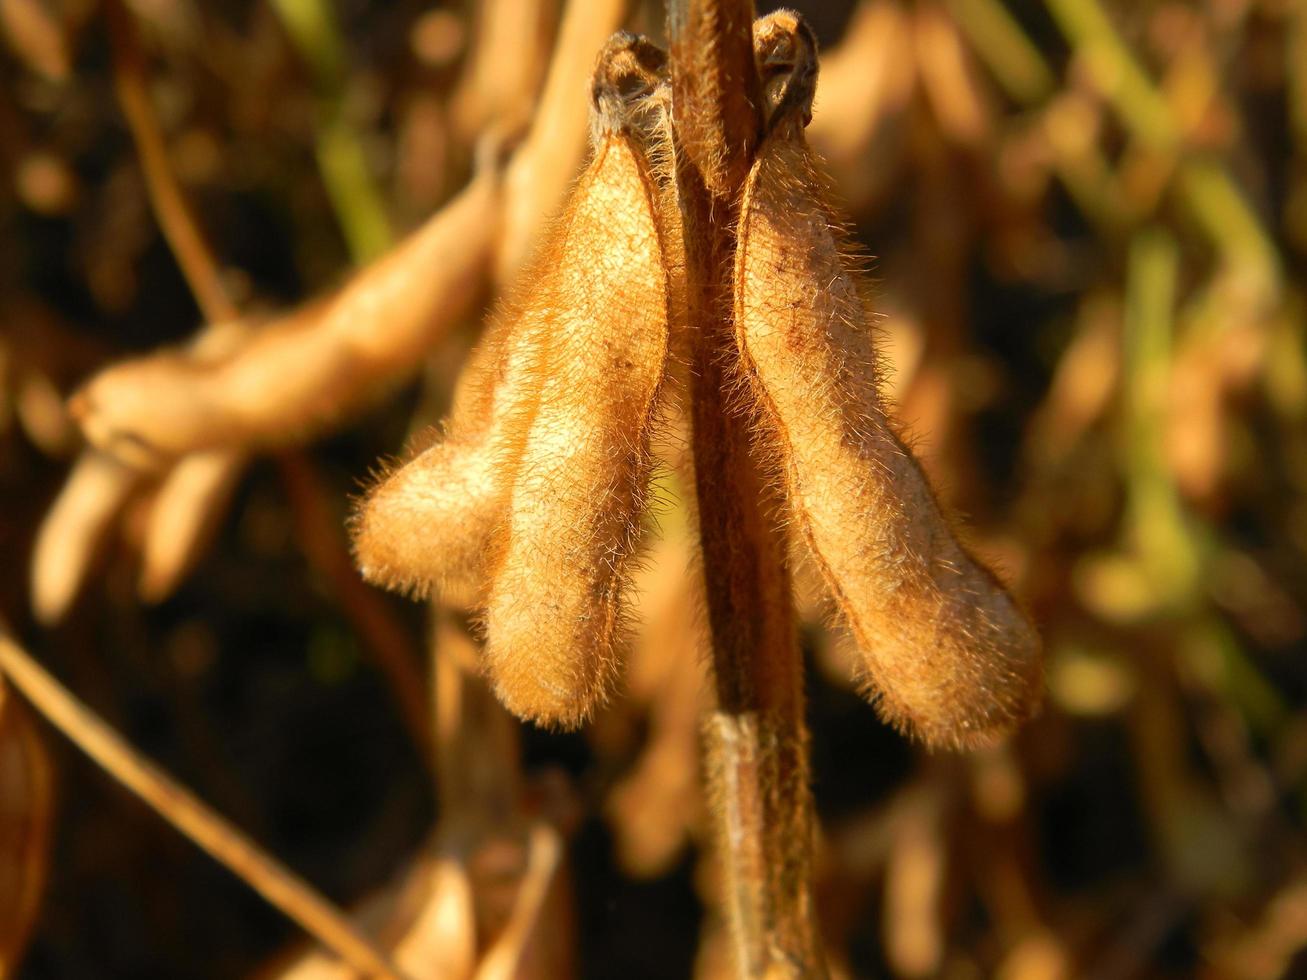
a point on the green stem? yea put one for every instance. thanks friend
(1206, 189)
(342, 159)
(1157, 521)
(1014, 60)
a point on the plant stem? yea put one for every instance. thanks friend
(265, 874)
(715, 91)
(171, 208)
(1000, 41)
(757, 742)
(1207, 190)
(342, 159)
(1161, 531)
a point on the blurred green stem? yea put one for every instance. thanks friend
(1212, 651)
(1175, 550)
(1013, 59)
(1156, 520)
(1116, 72)
(342, 159)
(1209, 193)
(1026, 77)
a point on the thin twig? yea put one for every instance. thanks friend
(757, 740)
(193, 494)
(26, 827)
(271, 879)
(170, 207)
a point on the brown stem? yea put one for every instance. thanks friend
(170, 205)
(265, 874)
(757, 742)
(715, 90)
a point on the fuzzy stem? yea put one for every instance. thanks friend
(757, 742)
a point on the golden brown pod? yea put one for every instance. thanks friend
(579, 483)
(185, 514)
(74, 530)
(426, 525)
(303, 370)
(947, 655)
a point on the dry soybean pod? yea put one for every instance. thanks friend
(946, 653)
(425, 525)
(555, 609)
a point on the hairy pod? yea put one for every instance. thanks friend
(425, 525)
(580, 480)
(946, 653)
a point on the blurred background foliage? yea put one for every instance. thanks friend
(1089, 219)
